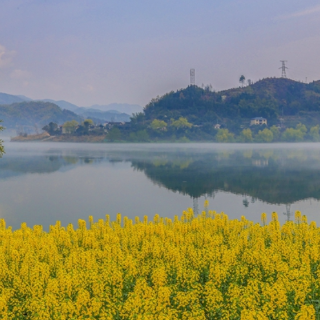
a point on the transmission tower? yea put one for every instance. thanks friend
(192, 77)
(283, 68)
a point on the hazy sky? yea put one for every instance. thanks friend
(101, 51)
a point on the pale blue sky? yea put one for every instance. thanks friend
(100, 51)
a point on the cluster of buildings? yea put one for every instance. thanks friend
(104, 127)
(253, 122)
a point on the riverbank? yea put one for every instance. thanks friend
(45, 137)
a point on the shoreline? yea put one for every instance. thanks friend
(44, 137)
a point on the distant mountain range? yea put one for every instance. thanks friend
(9, 98)
(120, 107)
(34, 115)
(64, 105)
(113, 107)
(115, 112)
(111, 115)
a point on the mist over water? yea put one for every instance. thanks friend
(41, 183)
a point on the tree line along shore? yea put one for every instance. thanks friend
(177, 131)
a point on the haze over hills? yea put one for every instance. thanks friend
(109, 116)
(9, 98)
(63, 104)
(24, 98)
(93, 113)
(31, 113)
(120, 107)
(113, 112)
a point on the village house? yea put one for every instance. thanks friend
(258, 120)
(109, 125)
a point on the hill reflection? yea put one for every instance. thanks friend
(274, 176)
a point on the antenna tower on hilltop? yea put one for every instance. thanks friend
(192, 77)
(283, 68)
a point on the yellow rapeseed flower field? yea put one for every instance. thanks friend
(204, 267)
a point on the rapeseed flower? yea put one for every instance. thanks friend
(193, 267)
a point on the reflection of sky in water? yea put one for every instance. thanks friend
(41, 183)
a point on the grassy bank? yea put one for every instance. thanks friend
(205, 267)
(61, 138)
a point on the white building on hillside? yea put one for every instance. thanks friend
(258, 120)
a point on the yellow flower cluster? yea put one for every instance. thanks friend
(204, 267)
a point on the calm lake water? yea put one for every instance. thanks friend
(44, 182)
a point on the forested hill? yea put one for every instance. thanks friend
(269, 98)
(34, 113)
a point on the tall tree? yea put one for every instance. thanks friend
(264, 135)
(70, 126)
(86, 124)
(52, 128)
(181, 123)
(114, 134)
(158, 125)
(242, 79)
(246, 135)
(314, 133)
(224, 135)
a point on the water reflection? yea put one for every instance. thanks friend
(275, 176)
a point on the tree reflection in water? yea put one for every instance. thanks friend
(274, 176)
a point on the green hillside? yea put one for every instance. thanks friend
(34, 113)
(269, 98)
(292, 110)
